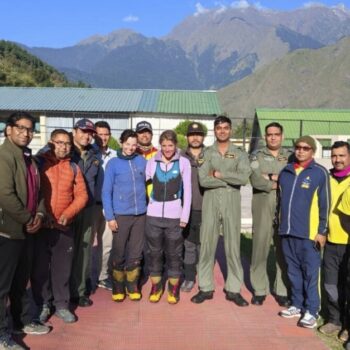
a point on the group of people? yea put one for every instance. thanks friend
(78, 215)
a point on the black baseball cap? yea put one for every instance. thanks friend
(143, 126)
(195, 128)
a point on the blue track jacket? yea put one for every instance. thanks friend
(304, 201)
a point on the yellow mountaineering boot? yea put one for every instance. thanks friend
(118, 286)
(132, 280)
(173, 290)
(157, 289)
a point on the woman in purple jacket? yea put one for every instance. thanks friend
(167, 214)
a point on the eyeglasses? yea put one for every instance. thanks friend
(23, 129)
(303, 148)
(62, 143)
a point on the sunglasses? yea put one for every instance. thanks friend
(303, 148)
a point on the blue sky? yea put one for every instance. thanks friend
(59, 23)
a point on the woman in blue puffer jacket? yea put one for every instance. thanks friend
(124, 204)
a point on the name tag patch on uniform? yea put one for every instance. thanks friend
(306, 183)
(230, 155)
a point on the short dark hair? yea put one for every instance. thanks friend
(339, 144)
(56, 132)
(168, 135)
(222, 119)
(16, 116)
(102, 124)
(126, 134)
(274, 125)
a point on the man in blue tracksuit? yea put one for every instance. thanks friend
(304, 209)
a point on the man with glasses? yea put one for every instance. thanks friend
(266, 164)
(21, 214)
(304, 211)
(65, 196)
(86, 157)
(103, 234)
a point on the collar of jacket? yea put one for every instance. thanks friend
(158, 156)
(290, 166)
(18, 151)
(122, 156)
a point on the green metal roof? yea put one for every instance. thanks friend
(109, 100)
(297, 122)
(191, 102)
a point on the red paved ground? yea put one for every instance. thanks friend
(214, 325)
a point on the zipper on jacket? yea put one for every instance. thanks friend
(134, 185)
(290, 203)
(166, 171)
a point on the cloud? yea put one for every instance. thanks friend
(241, 4)
(200, 9)
(131, 18)
(313, 4)
(222, 8)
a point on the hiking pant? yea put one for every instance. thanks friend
(53, 256)
(335, 261)
(128, 242)
(164, 237)
(303, 265)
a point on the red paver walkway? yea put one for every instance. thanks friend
(214, 325)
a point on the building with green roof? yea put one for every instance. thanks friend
(58, 107)
(325, 125)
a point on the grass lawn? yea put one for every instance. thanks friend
(246, 249)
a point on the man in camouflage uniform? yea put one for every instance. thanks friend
(266, 164)
(224, 170)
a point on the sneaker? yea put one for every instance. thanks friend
(329, 329)
(105, 284)
(343, 336)
(290, 312)
(7, 343)
(308, 321)
(44, 314)
(187, 286)
(33, 328)
(65, 315)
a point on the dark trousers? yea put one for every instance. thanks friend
(192, 245)
(164, 236)
(128, 242)
(335, 260)
(303, 264)
(53, 255)
(15, 265)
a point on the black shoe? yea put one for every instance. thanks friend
(85, 301)
(236, 298)
(283, 301)
(201, 296)
(258, 300)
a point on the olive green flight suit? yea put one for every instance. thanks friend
(264, 225)
(222, 206)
